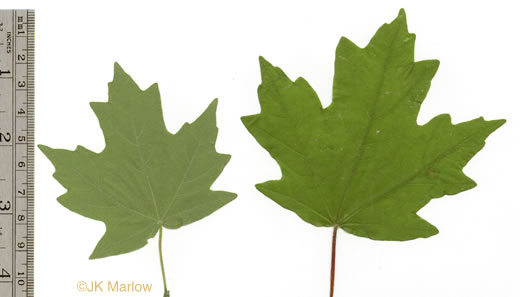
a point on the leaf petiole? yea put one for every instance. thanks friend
(332, 268)
(166, 292)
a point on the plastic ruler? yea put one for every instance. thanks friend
(17, 41)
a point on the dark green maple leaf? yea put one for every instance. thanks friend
(145, 178)
(363, 164)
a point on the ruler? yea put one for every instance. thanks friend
(17, 41)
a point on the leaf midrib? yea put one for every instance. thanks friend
(367, 129)
(139, 151)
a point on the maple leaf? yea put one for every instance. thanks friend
(145, 178)
(363, 164)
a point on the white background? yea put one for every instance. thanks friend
(199, 50)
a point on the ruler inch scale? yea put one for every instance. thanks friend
(17, 153)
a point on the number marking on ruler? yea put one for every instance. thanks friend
(16, 152)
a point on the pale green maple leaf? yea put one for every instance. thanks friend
(145, 178)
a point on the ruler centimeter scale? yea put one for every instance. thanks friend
(17, 42)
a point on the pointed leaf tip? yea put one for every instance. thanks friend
(401, 19)
(153, 88)
(211, 110)
(210, 113)
(345, 44)
(117, 68)
(214, 103)
(269, 72)
(248, 120)
(212, 107)
(263, 63)
(119, 73)
(44, 149)
(343, 39)
(498, 123)
(93, 256)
